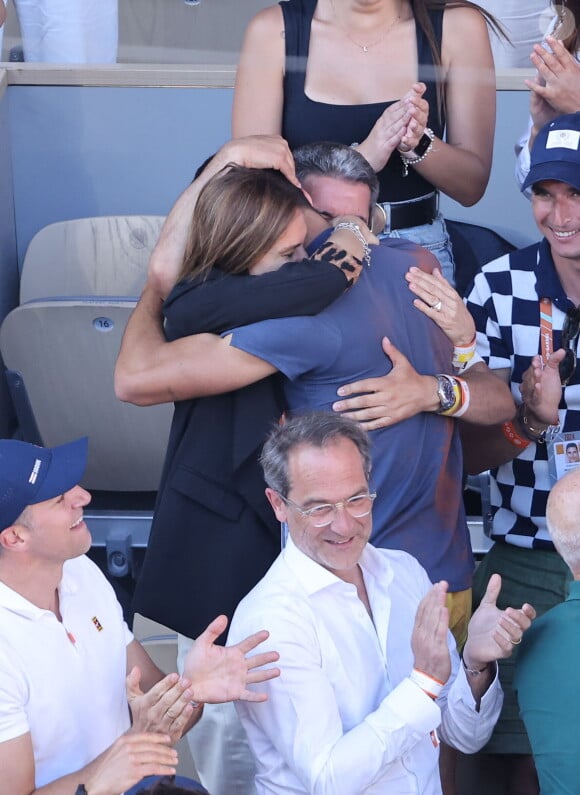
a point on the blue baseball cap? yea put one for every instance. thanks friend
(30, 474)
(556, 152)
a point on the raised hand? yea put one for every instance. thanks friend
(219, 674)
(386, 134)
(429, 638)
(541, 111)
(559, 78)
(166, 707)
(437, 299)
(493, 633)
(390, 398)
(418, 108)
(541, 388)
(258, 151)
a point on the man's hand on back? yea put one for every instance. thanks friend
(390, 398)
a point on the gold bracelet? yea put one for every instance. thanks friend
(531, 433)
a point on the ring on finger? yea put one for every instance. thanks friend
(515, 642)
(437, 306)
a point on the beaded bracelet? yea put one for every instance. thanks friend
(356, 231)
(412, 161)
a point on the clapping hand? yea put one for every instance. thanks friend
(165, 708)
(493, 633)
(429, 640)
(223, 673)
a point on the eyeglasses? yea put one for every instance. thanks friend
(322, 515)
(570, 334)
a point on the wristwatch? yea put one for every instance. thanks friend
(425, 141)
(445, 392)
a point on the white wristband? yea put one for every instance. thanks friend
(465, 398)
(463, 355)
(432, 687)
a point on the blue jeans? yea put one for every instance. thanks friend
(435, 239)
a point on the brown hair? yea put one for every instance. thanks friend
(421, 9)
(239, 215)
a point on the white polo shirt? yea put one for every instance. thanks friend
(64, 682)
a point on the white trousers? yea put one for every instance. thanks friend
(69, 31)
(218, 745)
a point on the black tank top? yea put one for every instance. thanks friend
(306, 121)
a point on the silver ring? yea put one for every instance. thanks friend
(515, 642)
(437, 306)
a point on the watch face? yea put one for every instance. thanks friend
(423, 145)
(445, 392)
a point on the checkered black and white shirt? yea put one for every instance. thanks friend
(504, 302)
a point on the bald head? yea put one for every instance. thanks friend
(563, 518)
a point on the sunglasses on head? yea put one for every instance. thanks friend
(570, 334)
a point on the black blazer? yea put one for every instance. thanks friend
(214, 534)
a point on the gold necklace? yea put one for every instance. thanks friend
(364, 47)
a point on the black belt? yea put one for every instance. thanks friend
(402, 215)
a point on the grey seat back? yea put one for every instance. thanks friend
(65, 353)
(80, 280)
(90, 256)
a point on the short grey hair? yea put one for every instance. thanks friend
(328, 159)
(316, 429)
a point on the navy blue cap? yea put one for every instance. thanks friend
(556, 152)
(30, 474)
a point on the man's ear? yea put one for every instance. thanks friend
(13, 537)
(278, 505)
(378, 219)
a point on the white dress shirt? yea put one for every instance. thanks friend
(343, 717)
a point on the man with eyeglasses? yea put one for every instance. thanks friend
(369, 670)
(527, 315)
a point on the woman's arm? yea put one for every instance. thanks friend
(460, 167)
(259, 91)
(298, 288)
(215, 305)
(150, 370)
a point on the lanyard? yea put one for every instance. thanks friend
(546, 338)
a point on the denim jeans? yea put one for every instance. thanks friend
(435, 239)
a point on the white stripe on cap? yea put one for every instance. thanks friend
(35, 471)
